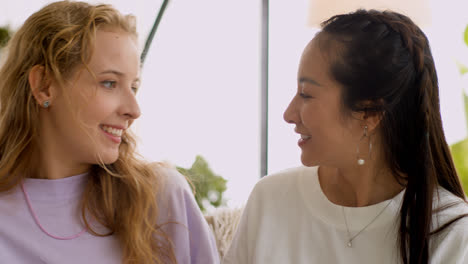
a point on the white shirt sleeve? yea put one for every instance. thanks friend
(243, 244)
(451, 245)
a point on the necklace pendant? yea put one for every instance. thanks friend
(350, 244)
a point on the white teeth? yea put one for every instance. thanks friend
(305, 137)
(114, 131)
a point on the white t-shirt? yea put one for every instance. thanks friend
(288, 219)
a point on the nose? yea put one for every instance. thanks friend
(130, 108)
(290, 114)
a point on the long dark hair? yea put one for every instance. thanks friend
(384, 63)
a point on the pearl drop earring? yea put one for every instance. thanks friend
(362, 161)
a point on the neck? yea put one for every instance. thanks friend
(358, 186)
(52, 171)
(53, 161)
(53, 165)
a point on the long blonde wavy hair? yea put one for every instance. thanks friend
(122, 195)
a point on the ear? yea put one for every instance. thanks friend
(369, 119)
(372, 120)
(41, 86)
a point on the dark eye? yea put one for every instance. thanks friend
(108, 84)
(305, 96)
(135, 89)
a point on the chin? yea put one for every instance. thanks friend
(109, 158)
(308, 161)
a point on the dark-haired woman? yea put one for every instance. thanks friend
(379, 184)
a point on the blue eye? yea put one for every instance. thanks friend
(108, 84)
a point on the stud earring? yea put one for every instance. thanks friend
(46, 104)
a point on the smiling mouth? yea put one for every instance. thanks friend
(113, 131)
(302, 141)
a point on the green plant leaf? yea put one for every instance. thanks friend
(205, 182)
(462, 68)
(466, 35)
(460, 158)
(4, 35)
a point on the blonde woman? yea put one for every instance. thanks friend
(72, 189)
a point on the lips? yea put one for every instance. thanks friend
(113, 132)
(304, 138)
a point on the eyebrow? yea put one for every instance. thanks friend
(117, 73)
(308, 80)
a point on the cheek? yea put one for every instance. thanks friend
(98, 110)
(315, 118)
(324, 124)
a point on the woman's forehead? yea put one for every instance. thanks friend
(313, 61)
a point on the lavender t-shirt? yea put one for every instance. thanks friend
(56, 205)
